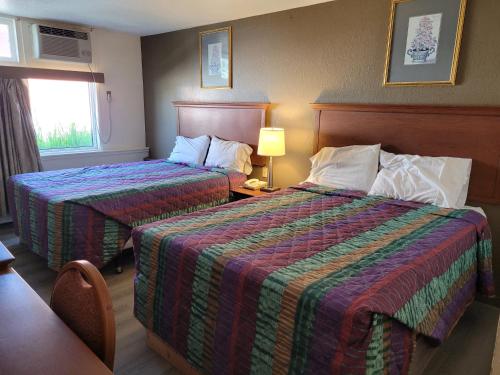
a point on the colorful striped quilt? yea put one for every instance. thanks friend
(88, 213)
(309, 280)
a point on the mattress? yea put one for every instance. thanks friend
(88, 213)
(309, 280)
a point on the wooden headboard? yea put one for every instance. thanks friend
(230, 121)
(468, 132)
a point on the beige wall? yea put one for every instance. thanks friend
(332, 52)
(118, 56)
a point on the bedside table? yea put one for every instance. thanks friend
(242, 193)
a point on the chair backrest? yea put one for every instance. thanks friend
(82, 300)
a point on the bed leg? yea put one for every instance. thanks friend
(118, 263)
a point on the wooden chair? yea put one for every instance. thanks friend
(82, 300)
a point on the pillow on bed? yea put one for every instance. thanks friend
(190, 150)
(351, 167)
(442, 181)
(230, 155)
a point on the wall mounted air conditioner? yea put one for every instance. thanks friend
(53, 43)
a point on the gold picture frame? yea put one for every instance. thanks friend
(218, 75)
(453, 60)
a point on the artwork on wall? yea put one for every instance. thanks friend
(424, 42)
(216, 58)
(423, 39)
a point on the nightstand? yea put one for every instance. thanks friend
(242, 193)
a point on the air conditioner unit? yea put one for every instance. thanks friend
(53, 43)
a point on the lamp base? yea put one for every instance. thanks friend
(270, 189)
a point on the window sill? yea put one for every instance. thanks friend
(78, 159)
(76, 153)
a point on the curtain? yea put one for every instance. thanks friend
(18, 148)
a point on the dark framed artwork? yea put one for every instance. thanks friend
(423, 44)
(216, 67)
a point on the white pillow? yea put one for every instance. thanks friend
(190, 150)
(351, 167)
(230, 155)
(442, 181)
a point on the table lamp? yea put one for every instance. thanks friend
(271, 143)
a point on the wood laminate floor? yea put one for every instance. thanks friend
(468, 351)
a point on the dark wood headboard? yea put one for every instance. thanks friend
(230, 121)
(468, 132)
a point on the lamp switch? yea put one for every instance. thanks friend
(264, 172)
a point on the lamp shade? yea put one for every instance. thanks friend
(271, 142)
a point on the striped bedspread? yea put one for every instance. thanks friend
(88, 213)
(309, 280)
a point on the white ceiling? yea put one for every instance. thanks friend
(145, 17)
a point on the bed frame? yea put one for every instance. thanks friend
(467, 132)
(472, 132)
(230, 121)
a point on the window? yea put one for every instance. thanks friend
(64, 114)
(8, 40)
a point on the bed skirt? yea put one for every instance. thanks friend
(422, 355)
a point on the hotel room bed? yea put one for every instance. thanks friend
(88, 213)
(317, 280)
(309, 280)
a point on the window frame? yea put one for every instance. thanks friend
(94, 120)
(11, 23)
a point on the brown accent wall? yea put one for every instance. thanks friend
(331, 52)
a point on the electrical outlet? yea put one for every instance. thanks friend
(108, 96)
(264, 172)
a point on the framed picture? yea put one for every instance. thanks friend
(216, 68)
(424, 42)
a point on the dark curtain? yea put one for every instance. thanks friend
(18, 148)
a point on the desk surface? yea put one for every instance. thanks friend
(33, 339)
